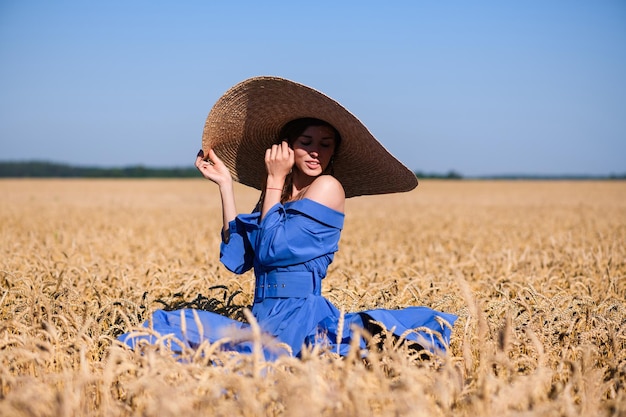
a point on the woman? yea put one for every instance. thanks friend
(315, 155)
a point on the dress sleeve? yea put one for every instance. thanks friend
(297, 233)
(236, 252)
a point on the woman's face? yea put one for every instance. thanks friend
(313, 150)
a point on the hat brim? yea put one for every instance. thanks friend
(247, 120)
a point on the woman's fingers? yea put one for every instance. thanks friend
(279, 159)
(199, 157)
(289, 155)
(213, 159)
(280, 151)
(274, 153)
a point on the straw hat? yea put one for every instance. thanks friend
(247, 120)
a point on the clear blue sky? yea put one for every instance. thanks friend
(480, 87)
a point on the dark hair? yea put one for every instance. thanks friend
(293, 129)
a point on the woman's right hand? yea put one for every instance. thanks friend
(213, 168)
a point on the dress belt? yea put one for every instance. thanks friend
(286, 284)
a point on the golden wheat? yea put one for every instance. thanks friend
(536, 272)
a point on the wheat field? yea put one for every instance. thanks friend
(536, 272)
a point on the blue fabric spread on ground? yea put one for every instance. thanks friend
(290, 250)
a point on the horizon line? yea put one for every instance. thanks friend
(450, 174)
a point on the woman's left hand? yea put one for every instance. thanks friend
(279, 160)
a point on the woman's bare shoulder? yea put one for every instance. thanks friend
(327, 190)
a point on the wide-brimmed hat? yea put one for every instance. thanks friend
(247, 120)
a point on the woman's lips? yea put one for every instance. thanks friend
(312, 164)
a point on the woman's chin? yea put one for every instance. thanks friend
(312, 172)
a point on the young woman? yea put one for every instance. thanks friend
(314, 155)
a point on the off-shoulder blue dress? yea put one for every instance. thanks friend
(290, 250)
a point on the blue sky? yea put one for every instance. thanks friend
(480, 87)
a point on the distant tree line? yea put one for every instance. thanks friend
(42, 169)
(451, 175)
(39, 169)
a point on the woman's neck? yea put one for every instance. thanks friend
(300, 183)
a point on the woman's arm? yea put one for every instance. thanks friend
(215, 170)
(279, 160)
(235, 250)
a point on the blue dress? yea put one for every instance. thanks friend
(290, 250)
